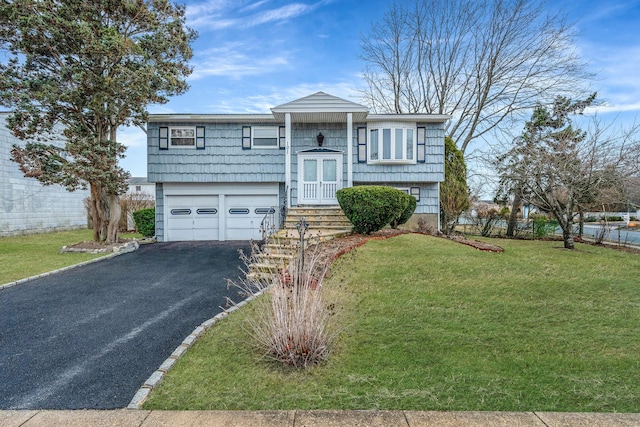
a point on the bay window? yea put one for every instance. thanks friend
(392, 144)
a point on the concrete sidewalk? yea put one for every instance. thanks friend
(137, 418)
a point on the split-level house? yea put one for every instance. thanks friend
(218, 175)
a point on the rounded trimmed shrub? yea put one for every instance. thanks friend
(371, 207)
(145, 220)
(410, 205)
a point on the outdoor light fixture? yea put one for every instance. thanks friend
(320, 139)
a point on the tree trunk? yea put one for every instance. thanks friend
(567, 232)
(567, 237)
(513, 216)
(105, 214)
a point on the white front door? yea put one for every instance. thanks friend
(320, 177)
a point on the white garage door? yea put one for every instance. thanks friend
(245, 213)
(192, 218)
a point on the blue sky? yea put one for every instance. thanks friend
(255, 54)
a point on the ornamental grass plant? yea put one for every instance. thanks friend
(293, 320)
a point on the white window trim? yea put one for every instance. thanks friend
(393, 127)
(276, 133)
(188, 147)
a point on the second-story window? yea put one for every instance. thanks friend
(182, 137)
(392, 144)
(264, 137)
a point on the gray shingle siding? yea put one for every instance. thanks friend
(222, 160)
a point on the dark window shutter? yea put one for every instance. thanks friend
(246, 137)
(421, 145)
(200, 137)
(361, 134)
(282, 141)
(163, 140)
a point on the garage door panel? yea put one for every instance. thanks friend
(245, 213)
(193, 218)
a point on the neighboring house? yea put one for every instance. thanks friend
(140, 185)
(26, 206)
(217, 175)
(140, 194)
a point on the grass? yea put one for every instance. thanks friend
(430, 324)
(30, 255)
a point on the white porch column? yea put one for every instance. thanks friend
(287, 159)
(349, 149)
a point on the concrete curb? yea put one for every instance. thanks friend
(125, 249)
(313, 418)
(158, 375)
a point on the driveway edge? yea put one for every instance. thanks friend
(124, 250)
(158, 375)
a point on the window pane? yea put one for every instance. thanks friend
(183, 137)
(386, 143)
(310, 168)
(329, 168)
(265, 142)
(265, 137)
(183, 133)
(181, 142)
(399, 143)
(373, 144)
(265, 132)
(409, 144)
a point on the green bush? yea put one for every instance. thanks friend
(145, 220)
(371, 207)
(410, 204)
(543, 226)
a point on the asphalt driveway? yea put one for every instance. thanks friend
(89, 337)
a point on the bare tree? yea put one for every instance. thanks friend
(562, 170)
(483, 62)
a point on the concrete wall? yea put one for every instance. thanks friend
(28, 207)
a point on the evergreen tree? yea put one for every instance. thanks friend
(88, 67)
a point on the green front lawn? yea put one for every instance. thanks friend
(430, 324)
(26, 256)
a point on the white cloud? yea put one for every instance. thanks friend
(132, 136)
(243, 104)
(236, 60)
(222, 14)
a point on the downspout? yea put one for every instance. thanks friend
(287, 158)
(349, 150)
(438, 210)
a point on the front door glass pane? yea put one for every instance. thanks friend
(310, 170)
(329, 170)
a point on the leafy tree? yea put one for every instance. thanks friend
(454, 192)
(88, 67)
(483, 62)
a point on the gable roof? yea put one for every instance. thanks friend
(320, 107)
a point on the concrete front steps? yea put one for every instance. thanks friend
(324, 223)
